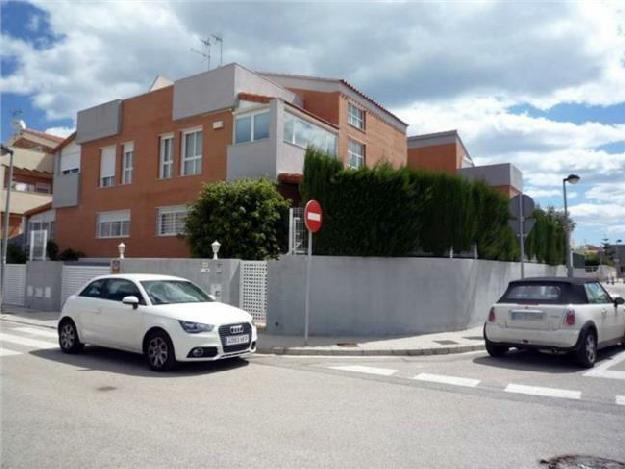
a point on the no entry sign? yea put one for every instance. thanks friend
(313, 216)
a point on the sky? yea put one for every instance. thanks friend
(539, 85)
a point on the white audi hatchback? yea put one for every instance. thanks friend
(556, 314)
(167, 319)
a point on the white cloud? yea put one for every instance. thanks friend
(59, 131)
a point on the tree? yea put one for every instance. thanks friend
(245, 216)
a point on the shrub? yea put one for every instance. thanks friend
(52, 250)
(245, 216)
(16, 254)
(70, 254)
(547, 240)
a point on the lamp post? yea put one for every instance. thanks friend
(571, 179)
(122, 249)
(5, 231)
(216, 245)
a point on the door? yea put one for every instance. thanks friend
(121, 324)
(604, 312)
(88, 309)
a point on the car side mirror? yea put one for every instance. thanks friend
(212, 297)
(131, 300)
(618, 300)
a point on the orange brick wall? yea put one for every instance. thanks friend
(144, 119)
(442, 158)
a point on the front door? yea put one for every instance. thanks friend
(605, 314)
(121, 323)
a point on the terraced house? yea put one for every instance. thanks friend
(142, 159)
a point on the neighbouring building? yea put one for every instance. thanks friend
(134, 164)
(31, 186)
(445, 152)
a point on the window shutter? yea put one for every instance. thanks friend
(107, 162)
(70, 158)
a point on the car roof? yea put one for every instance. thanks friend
(142, 277)
(569, 280)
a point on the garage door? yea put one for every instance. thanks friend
(74, 277)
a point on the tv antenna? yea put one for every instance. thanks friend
(206, 49)
(17, 122)
(220, 39)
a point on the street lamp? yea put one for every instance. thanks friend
(122, 249)
(216, 245)
(571, 179)
(5, 234)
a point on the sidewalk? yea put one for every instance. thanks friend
(425, 344)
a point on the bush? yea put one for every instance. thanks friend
(16, 254)
(245, 216)
(52, 250)
(70, 254)
(547, 240)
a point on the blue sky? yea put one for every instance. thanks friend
(540, 86)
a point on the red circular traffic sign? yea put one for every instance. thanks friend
(313, 216)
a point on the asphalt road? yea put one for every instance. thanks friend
(104, 408)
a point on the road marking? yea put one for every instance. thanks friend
(540, 391)
(453, 380)
(36, 331)
(602, 370)
(26, 342)
(620, 400)
(365, 369)
(5, 352)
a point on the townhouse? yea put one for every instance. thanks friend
(133, 165)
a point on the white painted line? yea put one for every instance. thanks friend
(26, 342)
(365, 369)
(314, 216)
(602, 370)
(5, 352)
(620, 400)
(37, 331)
(540, 391)
(453, 380)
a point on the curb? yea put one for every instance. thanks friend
(300, 351)
(26, 321)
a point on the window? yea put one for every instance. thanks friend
(533, 292)
(356, 155)
(251, 127)
(117, 289)
(596, 293)
(69, 159)
(356, 117)
(94, 290)
(162, 292)
(170, 221)
(40, 187)
(166, 157)
(43, 187)
(305, 134)
(113, 224)
(128, 156)
(107, 167)
(191, 152)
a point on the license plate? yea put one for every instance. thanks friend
(524, 316)
(237, 339)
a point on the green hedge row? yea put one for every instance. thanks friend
(383, 211)
(547, 240)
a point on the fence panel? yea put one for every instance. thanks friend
(75, 277)
(253, 289)
(15, 284)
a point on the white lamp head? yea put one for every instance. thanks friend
(122, 250)
(216, 245)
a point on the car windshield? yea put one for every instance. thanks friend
(164, 292)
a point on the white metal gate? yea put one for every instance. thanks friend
(15, 284)
(75, 276)
(253, 289)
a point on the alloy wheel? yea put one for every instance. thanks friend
(158, 352)
(68, 336)
(591, 349)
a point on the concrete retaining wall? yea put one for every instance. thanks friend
(217, 277)
(355, 296)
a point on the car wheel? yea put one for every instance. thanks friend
(496, 350)
(159, 352)
(586, 352)
(68, 337)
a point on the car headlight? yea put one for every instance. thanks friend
(196, 327)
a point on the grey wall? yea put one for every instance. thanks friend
(43, 285)
(222, 280)
(99, 121)
(504, 174)
(354, 296)
(205, 92)
(66, 190)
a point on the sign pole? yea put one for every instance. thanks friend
(307, 303)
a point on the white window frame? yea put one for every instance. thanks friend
(194, 158)
(252, 115)
(361, 157)
(356, 116)
(108, 181)
(296, 122)
(128, 155)
(169, 163)
(176, 210)
(115, 216)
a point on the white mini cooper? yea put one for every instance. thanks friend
(555, 314)
(167, 319)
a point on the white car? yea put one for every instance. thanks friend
(555, 314)
(167, 319)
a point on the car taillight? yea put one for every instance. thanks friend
(491, 315)
(569, 319)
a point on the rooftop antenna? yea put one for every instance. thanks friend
(206, 52)
(220, 39)
(17, 122)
